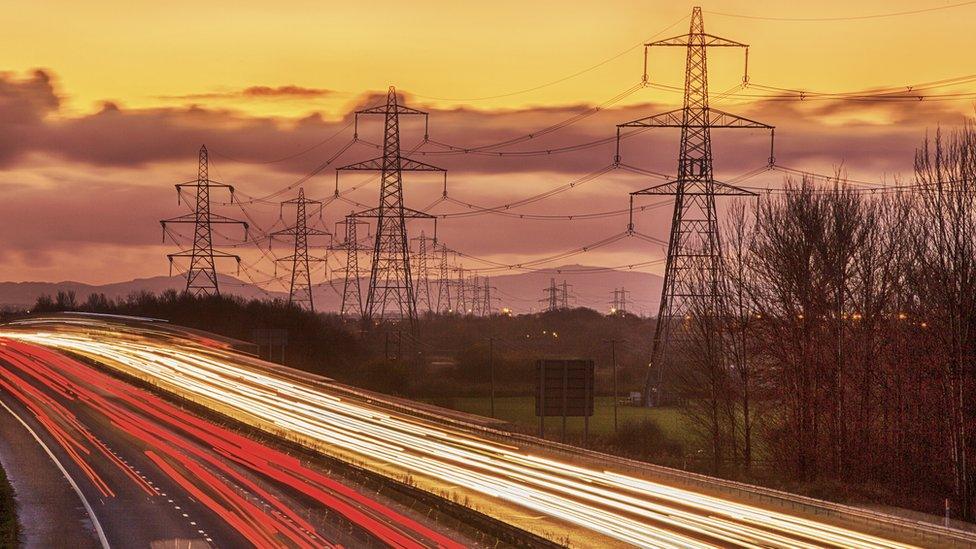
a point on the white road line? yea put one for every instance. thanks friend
(84, 501)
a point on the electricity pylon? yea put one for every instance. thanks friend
(443, 283)
(486, 306)
(201, 276)
(552, 296)
(423, 274)
(461, 293)
(564, 295)
(692, 273)
(619, 303)
(300, 290)
(474, 303)
(390, 281)
(352, 294)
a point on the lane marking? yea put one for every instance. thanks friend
(84, 501)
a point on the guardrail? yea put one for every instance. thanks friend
(867, 520)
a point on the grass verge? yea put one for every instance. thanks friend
(8, 513)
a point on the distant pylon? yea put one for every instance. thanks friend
(391, 292)
(694, 253)
(486, 305)
(564, 296)
(423, 274)
(443, 283)
(474, 302)
(619, 303)
(300, 290)
(461, 293)
(352, 295)
(201, 276)
(552, 296)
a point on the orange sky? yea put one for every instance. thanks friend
(103, 177)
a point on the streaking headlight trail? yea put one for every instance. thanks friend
(534, 491)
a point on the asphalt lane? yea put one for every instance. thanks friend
(155, 475)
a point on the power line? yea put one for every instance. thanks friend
(558, 80)
(841, 18)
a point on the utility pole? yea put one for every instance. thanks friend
(352, 294)
(694, 253)
(491, 372)
(613, 365)
(391, 292)
(201, 276)
(300, 291)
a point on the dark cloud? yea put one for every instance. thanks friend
(258, 92)
(104, 179)
(876, 136)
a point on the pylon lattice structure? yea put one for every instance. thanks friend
(552, 298)
(475, 301)
(692, 273)
(486, 305)
(391, 291)
(352, 294)
(564, 295)
(443, 282)
(201, 276)
(422, 284)
(460, 292)
(619, 302)
(300, 290)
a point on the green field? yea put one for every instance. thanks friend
(521, 411)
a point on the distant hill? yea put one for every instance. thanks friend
(520, 292)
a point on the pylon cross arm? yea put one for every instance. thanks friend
(675, 119)
(406, 165)
(300, 258)
(385, 108)
(216, 254)
(697, 39)
(407, 213)
(671, 188)
(293, 231)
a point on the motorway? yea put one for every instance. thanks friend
(151, 474)
(523, 484)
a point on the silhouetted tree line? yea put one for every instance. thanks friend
(316, 343)
(849, 331)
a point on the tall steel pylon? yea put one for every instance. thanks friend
(486, 305)
(390, 281)
(692, 273)
(423, 274)
(461, 293)
(300, 290)
(474, 303)
(552, 296)
(443, 283)
(564, 295)
(201, 276)
(352, 294)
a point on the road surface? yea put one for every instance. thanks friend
(151, 474)
(524, 484)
